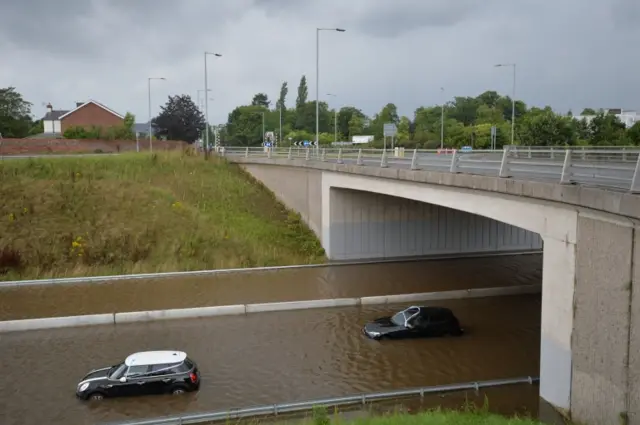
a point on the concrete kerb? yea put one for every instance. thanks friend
(239, 309)
(196, 273)
(57, 322)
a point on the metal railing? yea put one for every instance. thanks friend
(616, 168)
(301, 406)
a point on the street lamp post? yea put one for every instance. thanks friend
(280, 138)
(318, 78)
(335, 122)
(149, 95)
(442, 123)
(199, 102)
(206, 103)
(513, 100)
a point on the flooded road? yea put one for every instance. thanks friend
(268, 357)
(269, 286)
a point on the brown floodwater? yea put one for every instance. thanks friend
(273, 357)
(51, 300)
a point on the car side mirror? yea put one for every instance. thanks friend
(123, 379)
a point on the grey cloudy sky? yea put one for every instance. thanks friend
(570, 53)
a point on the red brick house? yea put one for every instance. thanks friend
(89, 114)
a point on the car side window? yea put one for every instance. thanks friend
(160, 369)
(179, 368)
(137, 371)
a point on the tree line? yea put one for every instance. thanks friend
(467, 122)
(179, 119)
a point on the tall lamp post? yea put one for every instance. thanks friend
(318, 77)
(335, 121)
(442, 123)
(513, 100)
(199, 102)
(149, 95)
(206, 102)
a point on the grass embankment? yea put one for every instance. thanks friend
(138, 213)
(443, 418)
(467, 415)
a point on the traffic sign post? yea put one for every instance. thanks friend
(389, 130)
(494, 133)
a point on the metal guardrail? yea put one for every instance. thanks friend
(301, 406)
(612, 168)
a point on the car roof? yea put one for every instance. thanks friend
(155, 357)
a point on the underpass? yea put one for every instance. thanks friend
(265, 358)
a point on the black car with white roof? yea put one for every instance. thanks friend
(143, 373)
(415, 322)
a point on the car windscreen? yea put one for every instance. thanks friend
(398, 319)
(117, 372)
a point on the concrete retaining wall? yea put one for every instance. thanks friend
(184, 313)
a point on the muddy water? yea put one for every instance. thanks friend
(271, 357)
(283, 285)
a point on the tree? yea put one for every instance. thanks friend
(344, 118)
(303, 93)
(633, 134)
(179, 119)
(15, 114)
(261, 99)
(244, 125)
(588, 111)
(356, 125)
(282, 100)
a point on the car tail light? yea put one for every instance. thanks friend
(193, 377)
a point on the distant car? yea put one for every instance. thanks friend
(147, 372)
(415, 322)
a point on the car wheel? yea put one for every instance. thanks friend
(96, 396)
(177, 391)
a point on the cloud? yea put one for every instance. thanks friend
(570, 53)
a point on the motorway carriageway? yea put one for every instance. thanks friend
(265, 358)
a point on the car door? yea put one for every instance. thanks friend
(421, 326)
(437, 324)
(160, 378)
(137, 378)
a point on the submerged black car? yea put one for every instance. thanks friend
(148, 372)
(415, 322)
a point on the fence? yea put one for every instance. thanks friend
(296, 407)
(615, 168)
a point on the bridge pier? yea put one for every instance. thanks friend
(605, 341)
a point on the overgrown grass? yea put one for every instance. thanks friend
(467, 415)
(137, 213)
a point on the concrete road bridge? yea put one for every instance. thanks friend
(580, 206)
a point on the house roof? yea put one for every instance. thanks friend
(53, 115)
(142, 128)
(111, 111)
